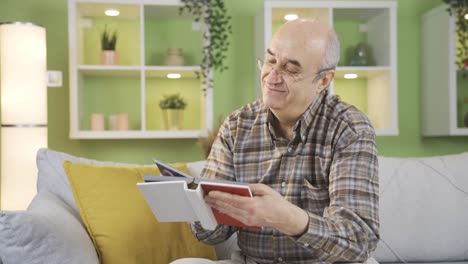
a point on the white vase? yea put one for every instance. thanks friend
(174, 57)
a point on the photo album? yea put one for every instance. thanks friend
(176, 196)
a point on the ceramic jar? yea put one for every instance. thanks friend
(174, 57)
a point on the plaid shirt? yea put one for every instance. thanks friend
(329, 169)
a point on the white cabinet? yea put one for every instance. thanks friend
(372, 23)
(444, 90)
(134, 84)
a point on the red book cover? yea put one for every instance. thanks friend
(233, 189)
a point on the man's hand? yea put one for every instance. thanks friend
(266, 208)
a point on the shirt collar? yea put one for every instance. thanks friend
(302, 125)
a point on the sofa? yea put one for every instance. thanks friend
(423, 214)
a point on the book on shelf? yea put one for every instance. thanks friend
(178, 197)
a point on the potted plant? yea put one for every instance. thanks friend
(172, 107)
(108, 43)
(213, 14)
(459, 9)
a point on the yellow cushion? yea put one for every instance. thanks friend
(119, 221)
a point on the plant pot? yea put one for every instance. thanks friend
(173, 118)
(109, 57)
(174, 57)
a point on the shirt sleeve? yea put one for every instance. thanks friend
(219, 165)
(349, 228)
(212, 237)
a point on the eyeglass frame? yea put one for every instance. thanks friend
(300, 77)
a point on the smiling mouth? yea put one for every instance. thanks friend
(275, 90)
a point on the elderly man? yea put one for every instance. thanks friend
(310, 159)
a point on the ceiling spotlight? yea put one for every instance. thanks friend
(173, 75)
(350, 76)
(290, 17)
(112, 12)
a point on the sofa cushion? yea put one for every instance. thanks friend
(52, 177)
(48, 232)
(120, 222)
(423, 213)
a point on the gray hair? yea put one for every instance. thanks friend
(332, 51)
(331, 55)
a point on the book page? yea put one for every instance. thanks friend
(202, 210)
(168, 201)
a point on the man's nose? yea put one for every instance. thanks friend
(273, 76)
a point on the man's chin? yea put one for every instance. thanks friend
(273, 104)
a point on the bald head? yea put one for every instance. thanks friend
(316, 38)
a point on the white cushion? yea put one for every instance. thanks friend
(48, 232)
(52, 177)
(196, 167)
(423, 209)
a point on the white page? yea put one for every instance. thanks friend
(202, 210)
(168, 201)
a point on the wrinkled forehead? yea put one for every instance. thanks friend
(305, 47)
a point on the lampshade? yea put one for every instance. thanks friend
(23, 86)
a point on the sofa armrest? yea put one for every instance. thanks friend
(48, 232)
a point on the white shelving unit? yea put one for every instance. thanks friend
(376, 85)
(443, 89)
(138, 81)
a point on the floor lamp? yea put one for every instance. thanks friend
(23, 92)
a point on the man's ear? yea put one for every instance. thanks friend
(325, 80)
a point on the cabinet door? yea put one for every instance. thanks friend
(444, 87)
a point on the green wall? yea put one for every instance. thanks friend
(233, 88)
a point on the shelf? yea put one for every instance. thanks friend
(109, 70)
(361, 71)
(138, 134)
(162, 71)
(361, 15)
(96, 10)
(460, 131)
(146, 29)
(277, 14)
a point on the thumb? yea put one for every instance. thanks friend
(259, 189)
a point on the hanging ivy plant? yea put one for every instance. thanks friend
(459, 8)
(214, 15)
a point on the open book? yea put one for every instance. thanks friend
(179, 197)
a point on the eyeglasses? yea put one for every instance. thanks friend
(291, 75)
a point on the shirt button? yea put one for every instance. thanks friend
(283, 184)
(289, 149)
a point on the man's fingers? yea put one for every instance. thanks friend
(259, 189)
(234, 200)
(230, 205)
